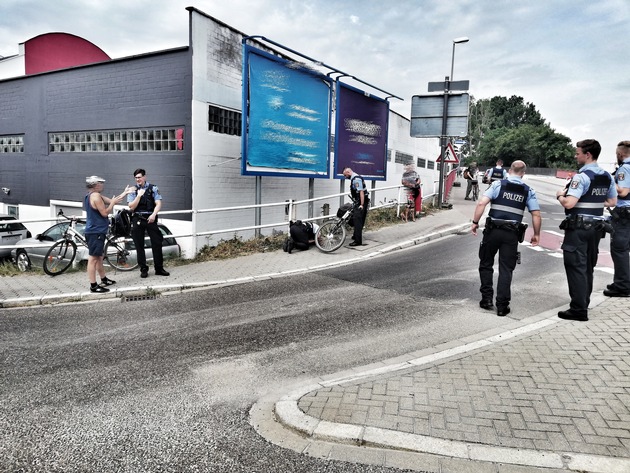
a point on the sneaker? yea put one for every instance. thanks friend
(107, 282)
(162, 272)
(144, 273)
(99, 289)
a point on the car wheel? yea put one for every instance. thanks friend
(23, 262)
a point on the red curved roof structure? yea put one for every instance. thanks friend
(51, 51)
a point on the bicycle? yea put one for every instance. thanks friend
(331, 235)
(61, 255)
(475, 189)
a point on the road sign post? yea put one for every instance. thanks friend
(426, 116)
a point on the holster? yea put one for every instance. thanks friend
(519, 228)
(620, 213)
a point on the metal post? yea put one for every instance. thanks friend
(447, 87)
(258, 211)
(311, 195)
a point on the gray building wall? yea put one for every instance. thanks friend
(147, 91)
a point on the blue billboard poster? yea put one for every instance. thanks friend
(361, 133)
(287, 118)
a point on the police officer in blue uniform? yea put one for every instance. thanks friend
(620, 239)
(360, 200)
(496, 173)
(145, 202)
(508, 199)
(584, 199)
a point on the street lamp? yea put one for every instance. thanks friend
(463, 39)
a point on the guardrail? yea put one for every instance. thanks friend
(292, 211)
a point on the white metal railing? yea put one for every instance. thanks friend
(292, 204)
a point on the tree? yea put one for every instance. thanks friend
(510, 129)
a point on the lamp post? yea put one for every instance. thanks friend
(463, 39)
(444, 138)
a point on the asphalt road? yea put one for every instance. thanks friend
(166, 385)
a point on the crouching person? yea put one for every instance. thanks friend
(302, 236)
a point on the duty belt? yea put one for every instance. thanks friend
(586, 222)
(510, 225)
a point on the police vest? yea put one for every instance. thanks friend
(624, 170)
(356, 195)
(147, 201)
(496, 174)
(511, 202)
(592, 203)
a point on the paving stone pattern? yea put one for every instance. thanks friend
(566, 388)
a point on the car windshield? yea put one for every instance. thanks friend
(56, 232)
(8, 225)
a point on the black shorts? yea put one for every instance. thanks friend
(96, 243)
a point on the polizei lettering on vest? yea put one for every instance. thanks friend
(599, 191)
(513, 196)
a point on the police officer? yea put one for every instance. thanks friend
(496, 173)
(145, 202)
(584, 199)
(620, 239)
(508, 199)
(360, 200)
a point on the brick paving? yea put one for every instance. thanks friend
(565, 388)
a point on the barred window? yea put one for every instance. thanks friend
(403, 158)
(422, 163)
(430, 164)
(11, 143)
(128, 140)
(221, 120)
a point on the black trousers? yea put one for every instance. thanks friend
(620, 253)
(505, 242)
(580, 251)
(358, 218)
(140, 226)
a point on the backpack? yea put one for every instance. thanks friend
(121, 223)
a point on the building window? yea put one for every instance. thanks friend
(12, 144)
(430, 164)
(221, 120)
(422, 163)
(403, 158)
(120, 141)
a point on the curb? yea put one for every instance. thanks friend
(286, 413)
(171, 289)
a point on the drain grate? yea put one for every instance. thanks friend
(140, 297)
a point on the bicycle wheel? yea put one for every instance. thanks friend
(118, 254)
(59, 257)
(330, 236)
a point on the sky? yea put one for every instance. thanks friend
(569, 58)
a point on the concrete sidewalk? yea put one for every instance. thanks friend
(37, 289)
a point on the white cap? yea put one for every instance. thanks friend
(94, 179)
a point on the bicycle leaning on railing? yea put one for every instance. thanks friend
(61, 255)
(331, 235)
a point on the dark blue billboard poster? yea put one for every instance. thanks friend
(286, 124)
(361, 133)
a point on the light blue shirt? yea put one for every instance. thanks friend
(532, 201)
(622, 177)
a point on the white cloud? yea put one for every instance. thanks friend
(565, 56)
